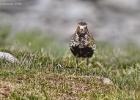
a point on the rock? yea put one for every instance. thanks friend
(105, 80)
(8, 57)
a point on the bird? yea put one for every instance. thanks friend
(82, 43)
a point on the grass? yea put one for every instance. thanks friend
(50, 73)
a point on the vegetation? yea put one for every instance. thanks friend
(47, 71)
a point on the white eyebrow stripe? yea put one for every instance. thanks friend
(82, 27)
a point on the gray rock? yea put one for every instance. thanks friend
(8, 57)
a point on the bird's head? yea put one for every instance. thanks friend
(82, 28)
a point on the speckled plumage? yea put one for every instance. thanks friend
(82, 43)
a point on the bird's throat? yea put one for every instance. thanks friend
(81, 34)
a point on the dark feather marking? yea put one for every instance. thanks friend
(85, 52)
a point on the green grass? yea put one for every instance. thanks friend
(50, 73)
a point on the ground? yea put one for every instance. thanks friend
(51, 74)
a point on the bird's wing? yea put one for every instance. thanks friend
(91, 41)
(74, 40)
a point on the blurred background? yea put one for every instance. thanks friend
(27, 21)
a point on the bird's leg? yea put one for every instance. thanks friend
(77, 62)
(76, 65)
(87, 63)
